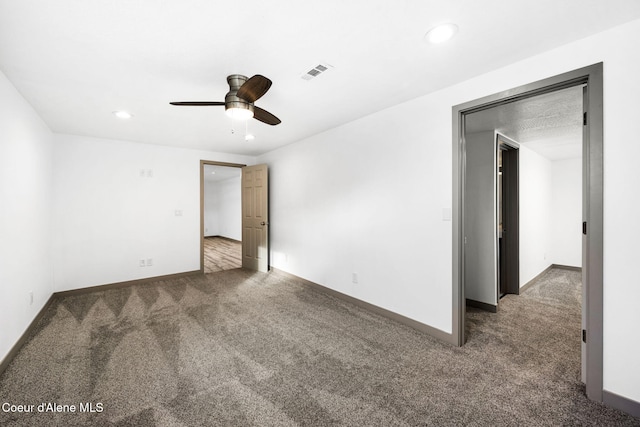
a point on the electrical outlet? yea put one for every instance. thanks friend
(354, 277)
(142, 263)
(149, 262)
(30, 297)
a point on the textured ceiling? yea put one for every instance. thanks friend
(77, 61)
(550, 124)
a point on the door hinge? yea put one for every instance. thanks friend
(584, 118)
(584, 335)
(584, 228)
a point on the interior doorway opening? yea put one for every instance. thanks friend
(592, 168)
(508, 217)
(221, 216)
(546, 130)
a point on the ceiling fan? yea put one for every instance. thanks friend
(238, 103)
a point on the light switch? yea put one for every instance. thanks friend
(446, 214)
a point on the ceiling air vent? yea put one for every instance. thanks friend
(315, 71)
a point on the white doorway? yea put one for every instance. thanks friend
(221, 216)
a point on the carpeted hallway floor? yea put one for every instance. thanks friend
(239, 348)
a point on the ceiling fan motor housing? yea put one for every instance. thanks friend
(231, 100)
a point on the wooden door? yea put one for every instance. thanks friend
(255, 218)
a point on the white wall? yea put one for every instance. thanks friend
(223, 208)
(535, 192)
(369, 197)
(211, 217)
(107, 217)
(566, 212)
(550, 213)
(25, 214)
(481, 256)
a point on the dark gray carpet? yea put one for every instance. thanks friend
(239, 348)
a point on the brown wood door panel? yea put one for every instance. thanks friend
(255, 217)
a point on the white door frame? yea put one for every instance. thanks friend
(593, 190)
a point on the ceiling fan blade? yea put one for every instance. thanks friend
(265, 117)
(197, 103)
(254, 88)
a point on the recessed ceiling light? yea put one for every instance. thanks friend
(441, 33)
(249, 137)
(122, 114)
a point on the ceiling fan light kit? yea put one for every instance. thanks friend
(239, 111)
(239, 101)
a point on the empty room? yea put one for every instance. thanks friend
(274, 213)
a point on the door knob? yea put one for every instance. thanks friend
(264, 223)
